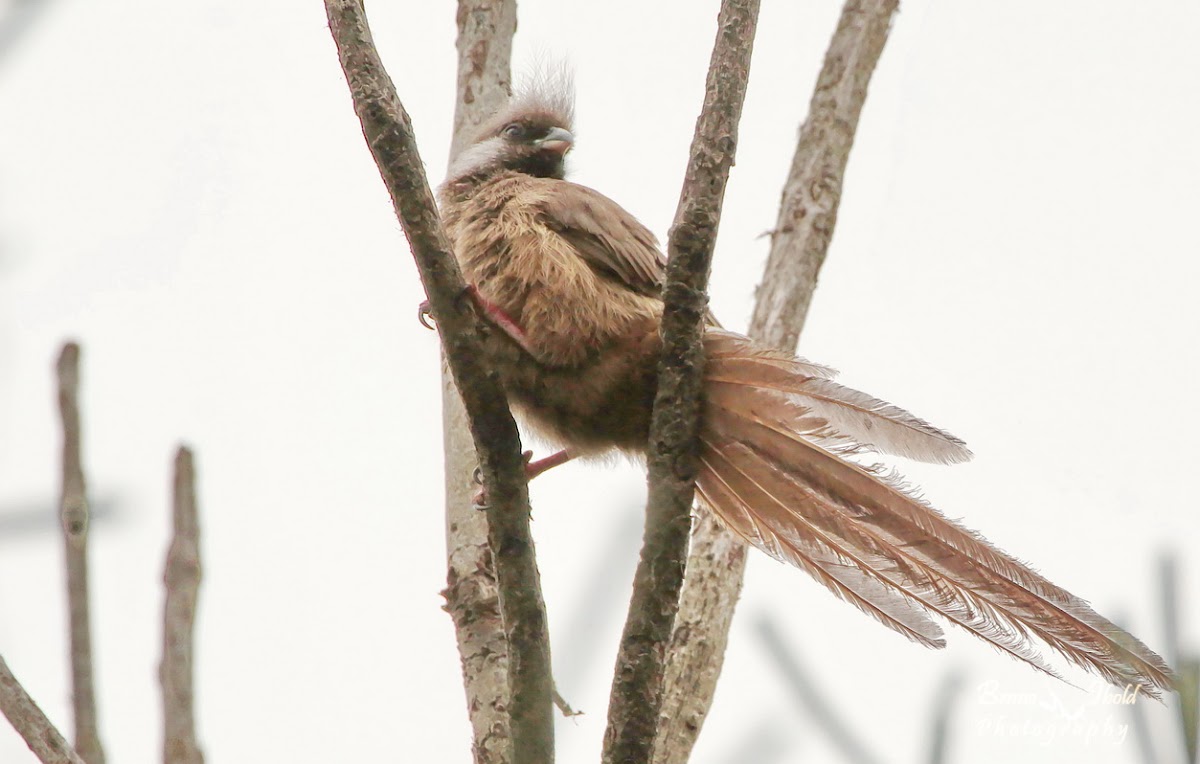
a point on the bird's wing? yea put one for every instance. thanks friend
(604, 234)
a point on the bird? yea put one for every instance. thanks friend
(567, 284)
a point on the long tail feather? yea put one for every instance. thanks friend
(935, 596)
(730, 350)
(737, 360)
(886, 428)
(846, 580)
(776, 469)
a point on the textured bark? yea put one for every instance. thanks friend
(73, 512)
(485, 32)
(484, 43)
(182, 580)
(808, 209)
(388, 132)
(807, 214)
(637, 692)
(46, 742)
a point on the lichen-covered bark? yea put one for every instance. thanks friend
(388, 132)
(807, 214)
(637, 693)
(485, 33)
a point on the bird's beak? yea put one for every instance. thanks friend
(557, 140)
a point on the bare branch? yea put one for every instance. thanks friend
(808, 209)
(46, 742)
(807, 214)
(633, 715)
(182, 579)
(944, 704)
(484, 43)
(485, 32)
(811, 700)
(73, 512)
(388, 132)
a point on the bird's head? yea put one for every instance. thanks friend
(531, 135)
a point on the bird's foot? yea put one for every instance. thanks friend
(424, 313)
(532, 470)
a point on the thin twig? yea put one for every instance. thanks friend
(1187, 670)
(807, 214)
(484, 43)
(944, 704)
(182, 580)
(73, 512)
(42, 737)
(637, 692)
(388, 132)
(811, 700)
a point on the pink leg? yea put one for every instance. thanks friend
(497, 317)
(532, 470)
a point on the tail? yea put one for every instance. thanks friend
(776, 442)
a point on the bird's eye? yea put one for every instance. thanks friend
(515, 130)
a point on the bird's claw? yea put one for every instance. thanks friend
(424, 313)
(468, 296)
(480, 500)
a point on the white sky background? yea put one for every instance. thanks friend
(185, 189)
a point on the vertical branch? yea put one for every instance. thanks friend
(809, 207)
(484, 43)
(73, 512)
(182, 579)
(46, 742)
(637, 692)
(1187, 666)
(807, 214)
(387, 129)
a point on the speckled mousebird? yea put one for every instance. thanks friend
(569, 283)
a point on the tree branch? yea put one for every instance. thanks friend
(388, 132)
(807, 214)
(46, 742)
(484, 43)
(809, 207)
(73, 512)
(812, 701)
(633, 715)
(182, 580)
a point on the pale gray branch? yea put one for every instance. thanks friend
(73, 512)
(182, 579)
(807, 214)
(637, 691)
(388, 131)
(46, 742)
(485, 32)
